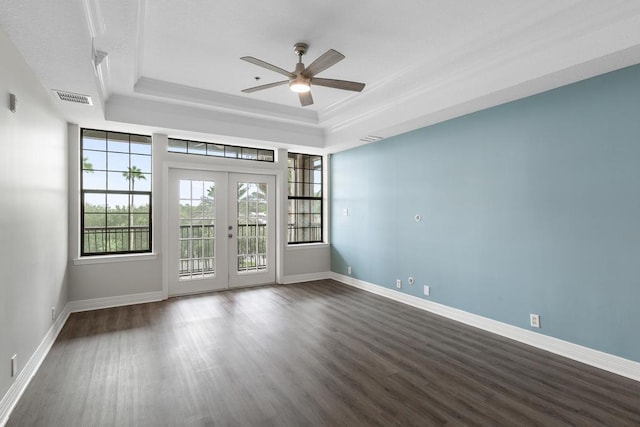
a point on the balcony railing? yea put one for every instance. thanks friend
(197, 249)
(137, 239)
(100, 240)
(304, 234)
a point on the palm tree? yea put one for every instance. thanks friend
(211, 192)
(86, 165)
(132, 174)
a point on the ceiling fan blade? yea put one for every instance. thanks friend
(324, 61)
(305, 98)
(266, 65)
(262, 87)
(338, 84)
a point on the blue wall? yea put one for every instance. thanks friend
(529, 207)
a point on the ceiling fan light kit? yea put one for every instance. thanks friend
(302, 78)
(299, 85)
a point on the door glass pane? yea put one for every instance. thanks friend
(196, 233)
(252, 223)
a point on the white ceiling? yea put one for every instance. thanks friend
(173, 66)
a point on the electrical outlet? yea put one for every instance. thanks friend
(14, 365)
(411, 280)
(345, 211)
(53, 313)
(349, 270)
(427, 290)
(398, 283)
(534, 320)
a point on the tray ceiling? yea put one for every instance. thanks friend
(174, 67)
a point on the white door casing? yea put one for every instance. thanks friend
(221, 230)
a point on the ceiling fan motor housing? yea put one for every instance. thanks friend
(300, 48)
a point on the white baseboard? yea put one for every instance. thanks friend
(10, 399)
(18, 387)
(117, 301)
(305, 277)
(589, 356)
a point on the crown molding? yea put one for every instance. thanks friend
(189, 118)
(95, 20)
(139, 43)
(219, 100)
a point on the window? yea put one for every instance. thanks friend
(305, 198)
(115, 193)
(219, 150)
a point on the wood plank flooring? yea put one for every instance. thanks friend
(311, 354)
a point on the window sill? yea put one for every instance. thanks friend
(107, 259)
(306, 246)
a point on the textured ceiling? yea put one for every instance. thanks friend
(174, 67)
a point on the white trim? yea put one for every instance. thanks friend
(326, 198)
(95, 20)
(224, 101)
(278, 169)
(117, 301)
(18, 387)
(305, 246)
(608, 362)
(106, 259)
(221, 123)
(282, 201)
(308, 277)
(160, 144)
(139, 47)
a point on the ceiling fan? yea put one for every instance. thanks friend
(302, 78)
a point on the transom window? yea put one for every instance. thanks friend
(115, 193)
(219, 150)
(305, 198)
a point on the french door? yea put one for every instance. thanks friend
(221, 230)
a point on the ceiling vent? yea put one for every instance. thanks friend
(371, 138)
(73, 97)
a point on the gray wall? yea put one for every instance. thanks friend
(33, 212)
(529, 207)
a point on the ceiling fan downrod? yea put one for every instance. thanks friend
(300, 49)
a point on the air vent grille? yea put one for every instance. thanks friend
(73, 97)
(371, 138)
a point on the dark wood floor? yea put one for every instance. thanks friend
(317, 353)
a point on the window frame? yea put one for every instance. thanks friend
(130, 193)
(319, 199)
(221, 151)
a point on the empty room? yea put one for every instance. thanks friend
(319, 213)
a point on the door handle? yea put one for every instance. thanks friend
(230, 235)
